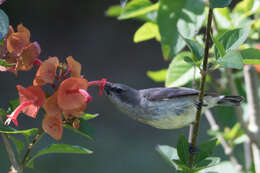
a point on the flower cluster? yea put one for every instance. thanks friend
(17, 50)
(70, 96)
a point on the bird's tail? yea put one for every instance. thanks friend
(230, 100)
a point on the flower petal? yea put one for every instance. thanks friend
(26, 31)
(67, 98)
(52, 125)
(46, 72)
(74, 66)
(50, 106)
(30, 52)
(77, 113)
(33, 94)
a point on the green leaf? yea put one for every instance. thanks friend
(232, 39)
(114, 11)
(4, 63)
(157, 76)
(86, 128)
(137, 8)
(59, 148)
(223, 18)
(13, 105)
(168, 154)
(2, 112)
(243, 6)
(10, 130)
(183, 149)
(147, 31)
(195, 48)
(178, 16)
(181, 165)
(19, 145)
(206, 163)
(180, 72)
(4, 24)
(205, 150)
(251, 56)
(225, 166)
(219, 3)
(219, 46)
(77, 131)
(89, 116)
(232, 59)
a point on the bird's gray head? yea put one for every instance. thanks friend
(121, 94)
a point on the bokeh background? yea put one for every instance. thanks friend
(105, 48)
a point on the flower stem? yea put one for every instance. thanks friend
(195, 130)
(9, 150)
(36, 139)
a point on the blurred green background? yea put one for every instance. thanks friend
(105, 48)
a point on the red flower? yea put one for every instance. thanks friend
(72, 93)
(28, 56)
(46, 72)
(74, 67)
(31, 100)
(52, 125)
(18, 50)
(16, 41)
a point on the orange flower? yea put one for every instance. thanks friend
(16, 41)
(46, 72)
(77, 113)
(52, 122)
(72, 93)
(74, 67)
(50, 106)
(18, 49)
(28, 56)
(31, 100)
(52, 125)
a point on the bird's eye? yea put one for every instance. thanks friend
(118, 90)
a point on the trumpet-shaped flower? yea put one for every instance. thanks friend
(31, 100)
(72, 93)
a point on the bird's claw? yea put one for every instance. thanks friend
(200, 104)
(192, 149)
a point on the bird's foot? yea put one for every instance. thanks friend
(200, 104)
(193, 150)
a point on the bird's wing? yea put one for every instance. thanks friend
(154, 94)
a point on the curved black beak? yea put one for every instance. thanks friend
(108, 87)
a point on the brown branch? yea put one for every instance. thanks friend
(251, 84)
(227, 149)
(31, 145)
(234, 91)
(14, 163)
(196, 123)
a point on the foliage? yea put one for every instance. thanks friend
(179, 26)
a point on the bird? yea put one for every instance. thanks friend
(164, 108)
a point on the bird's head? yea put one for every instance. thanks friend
(121, 94)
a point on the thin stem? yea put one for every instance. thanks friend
(234, 91)
(227, 149)
(31, 145)
(9, 150)
(195, 130)
(251, 84)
